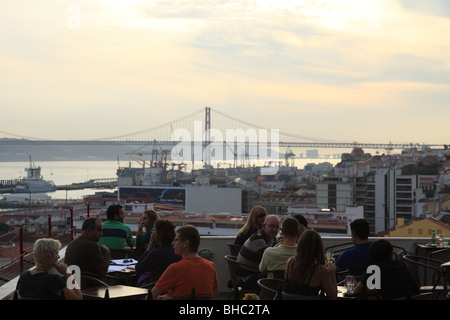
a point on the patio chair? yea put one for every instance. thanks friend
(428, 275)
(237, 290)
(270, 287)
(234, 249)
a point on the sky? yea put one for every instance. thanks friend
(373, 71)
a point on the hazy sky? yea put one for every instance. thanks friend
(349, 70)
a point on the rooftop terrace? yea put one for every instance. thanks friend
(218, 248)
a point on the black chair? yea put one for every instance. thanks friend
(237, 290)
(441, 255)
(428, 275)
(340, 276)
(234, 249)
(399, 252)
(89, 281)
(337, 249)
(270, 287)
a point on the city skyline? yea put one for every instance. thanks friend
(366, 71)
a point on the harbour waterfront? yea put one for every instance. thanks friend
(68, 172)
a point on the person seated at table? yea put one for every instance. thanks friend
(251, 252)
(357, 258)
(39, 283)
(254, 222)
(146, 221)
(307, 273)
(158, 255)
(396, 280)
(84, 251)
(116, 234)
(274, 258)
(191, 272)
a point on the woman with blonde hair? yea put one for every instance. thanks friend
(307, 273)
(254, 223)
(39, 283)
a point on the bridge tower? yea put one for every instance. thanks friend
(207, 139)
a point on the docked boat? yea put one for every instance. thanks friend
(33, 183)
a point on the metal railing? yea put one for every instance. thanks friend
(23, 234)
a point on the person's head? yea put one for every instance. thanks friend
(187, 240)
(92, 229)
(271, 226)
(45, 252)
(255, 220)
(165, 230)
(290, 228)
(115, 212)
(257, 216)
(310, 248)
(381, 250)
(302, 220)
(149, 217)
(360, 230)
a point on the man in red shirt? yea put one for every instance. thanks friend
(191, 272)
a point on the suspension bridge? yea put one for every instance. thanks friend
(201, 127)
(208, 127)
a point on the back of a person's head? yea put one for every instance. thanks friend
(165, 230)
(310, 247)
(89, 223)
(190, 232)
(381, 250)
(112, 211)
(302, 220)
(44, 249)
(361, 228)
(290, 227)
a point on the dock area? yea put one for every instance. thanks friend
(90, 184)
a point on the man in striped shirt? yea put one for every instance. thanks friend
(116, 234)
(252, 251)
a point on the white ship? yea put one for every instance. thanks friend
(34, 182)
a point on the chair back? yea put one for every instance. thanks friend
(337, 249)
(270, 287)
(89, 281)
(426, 272)
(442, 255)
(234, 249)
(232, 266)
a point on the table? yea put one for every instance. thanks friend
(118, 292)
(341, 294)
(123, 271)
(427, 248)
